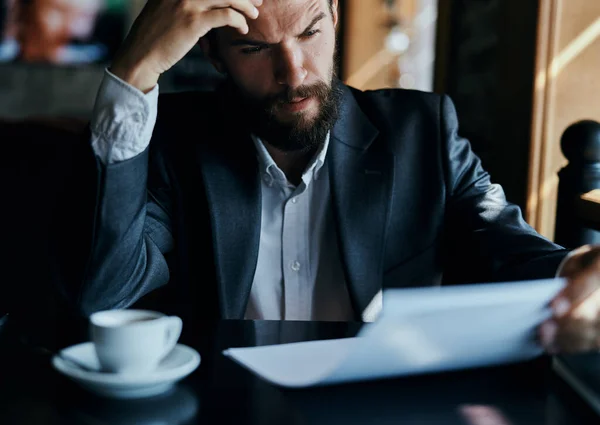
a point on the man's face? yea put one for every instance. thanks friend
(61, 20)
(283, 69)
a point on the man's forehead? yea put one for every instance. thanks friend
(280, 18)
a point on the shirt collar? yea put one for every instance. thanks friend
(268, 166)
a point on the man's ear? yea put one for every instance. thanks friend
(209, 48)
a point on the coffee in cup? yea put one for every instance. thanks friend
(133, 341)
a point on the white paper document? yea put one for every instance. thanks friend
(420, 330)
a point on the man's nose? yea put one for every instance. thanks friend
(290, 69)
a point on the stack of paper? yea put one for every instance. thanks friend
(421, 330)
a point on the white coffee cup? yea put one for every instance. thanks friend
(133, 341)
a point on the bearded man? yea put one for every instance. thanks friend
(285, 194)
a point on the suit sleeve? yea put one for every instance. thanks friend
(132, 221)
(486, 236)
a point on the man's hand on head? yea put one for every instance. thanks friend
(166, 30)
(575, 326)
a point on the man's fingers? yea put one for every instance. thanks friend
(569, 335)
(573, 264)
(577, 336)
(576, 309)
(582, 286)
(576, 332)
(246, 7)
(228, 18)
(483, 415)
(547, 334)
(589, 308)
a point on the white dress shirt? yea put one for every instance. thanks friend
(299, 274)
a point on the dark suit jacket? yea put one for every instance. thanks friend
(412, 206)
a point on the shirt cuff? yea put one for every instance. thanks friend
(123, 119)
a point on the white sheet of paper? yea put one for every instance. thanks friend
(420, 330)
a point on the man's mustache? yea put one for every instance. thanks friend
(319, 90)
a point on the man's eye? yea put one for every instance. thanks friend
(252, 50)
(311, 33)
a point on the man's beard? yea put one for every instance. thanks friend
(299, 133)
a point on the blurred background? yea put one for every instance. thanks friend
(519, 71)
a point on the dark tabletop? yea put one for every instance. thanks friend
(222, 392)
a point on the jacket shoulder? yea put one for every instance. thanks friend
(389, 102)
(398, 111)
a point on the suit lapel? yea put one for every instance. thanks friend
(361, 177)
(231, 179)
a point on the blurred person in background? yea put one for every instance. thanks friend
(55, 31)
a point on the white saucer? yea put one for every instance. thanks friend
(182, 361)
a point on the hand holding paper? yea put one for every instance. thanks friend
(421, 330)
(575, 326)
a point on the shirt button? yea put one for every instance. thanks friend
(294, 200)
(295, 266)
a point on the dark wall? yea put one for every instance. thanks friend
(489, 74)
